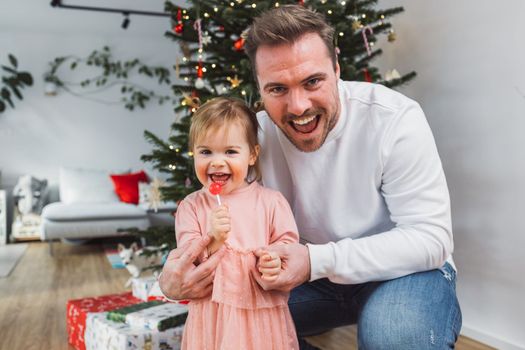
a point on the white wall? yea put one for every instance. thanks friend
(43, 133)
(470, 60)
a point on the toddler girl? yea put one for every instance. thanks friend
(239, 314)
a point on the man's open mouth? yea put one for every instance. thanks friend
(305, 125)
(219, 178)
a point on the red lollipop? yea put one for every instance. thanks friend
(216, 189)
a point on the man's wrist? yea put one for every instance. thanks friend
(322, 260)
(162, 291)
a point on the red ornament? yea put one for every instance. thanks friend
(199, 70)
(178, 28)
(239, 44)
(368, 78)
(215, 188)
(301, 2)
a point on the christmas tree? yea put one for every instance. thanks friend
(210, 37)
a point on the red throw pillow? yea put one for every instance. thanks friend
(127, 186)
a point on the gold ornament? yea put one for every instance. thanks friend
(193, 102)
(235, 81)
(356, 25)
(392, 36)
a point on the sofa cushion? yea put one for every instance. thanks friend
(127, 186)
(86, 186)
(60, 211)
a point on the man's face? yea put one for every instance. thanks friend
(298, 85)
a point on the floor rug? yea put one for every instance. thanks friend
(9, 256)
(114, 258)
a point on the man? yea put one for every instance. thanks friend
(360, 168)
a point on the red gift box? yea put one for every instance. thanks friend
(78, 309)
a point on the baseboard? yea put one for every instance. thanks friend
(489, 339)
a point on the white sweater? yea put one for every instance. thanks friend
(372, 203)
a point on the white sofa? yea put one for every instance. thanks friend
(88, 207)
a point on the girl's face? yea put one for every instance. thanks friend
(223, 155)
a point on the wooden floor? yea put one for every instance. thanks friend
(33, 298)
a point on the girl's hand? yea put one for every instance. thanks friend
(220, 223)
(269, 265)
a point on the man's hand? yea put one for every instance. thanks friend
(295, 266)
(181, 279)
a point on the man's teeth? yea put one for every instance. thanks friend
(304, 120)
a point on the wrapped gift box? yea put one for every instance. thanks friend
(79, 309)
(119, 315)
(160, 317)
(141, 287)
(102, 334)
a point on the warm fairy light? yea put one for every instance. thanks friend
(213, 65)
(276, 4)
(254, 5)
(341, 34)
(204, 69)
(382, 16)
(177, 150)
(200, 57)
(193, 110)
(343, 3)
(206, 14)
(185, 78)
(216, 9)
(190, 153)
(364, 15)
(171, 146)
(329, 12)
(243, 93)
(200, 50)
(232, 4)
(184, 11)
(224, 88)
(184, 104)
(196, 67)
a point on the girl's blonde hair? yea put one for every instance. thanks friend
(225, 111)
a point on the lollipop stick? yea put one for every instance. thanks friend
(218, 199)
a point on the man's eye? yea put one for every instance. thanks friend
(313, 82)
(278, 90)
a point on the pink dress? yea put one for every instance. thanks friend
(239, 314)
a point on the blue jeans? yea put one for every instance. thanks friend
(419, 311)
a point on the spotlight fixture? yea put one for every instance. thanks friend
(125, 12)
(125, 22)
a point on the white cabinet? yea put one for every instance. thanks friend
(3, 217)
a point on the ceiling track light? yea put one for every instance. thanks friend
(125, 22)
(125, 12)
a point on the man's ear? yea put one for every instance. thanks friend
(337, 70)
(254, 155)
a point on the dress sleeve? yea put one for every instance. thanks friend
(187, 227)
(284, 228)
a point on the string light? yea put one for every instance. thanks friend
(329, 12)
(213, 65)
(184, 59)
(254, 5)
(341, 34)
(204, 69)
(276, 4)
(171, 146)
(206, 14)
(243, 93)
(216, 9)
(232, 4)
(190, 153)
(177, 150)
(343, 3)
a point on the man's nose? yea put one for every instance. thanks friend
(298, 102)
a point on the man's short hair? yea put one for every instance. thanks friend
(285, 25)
